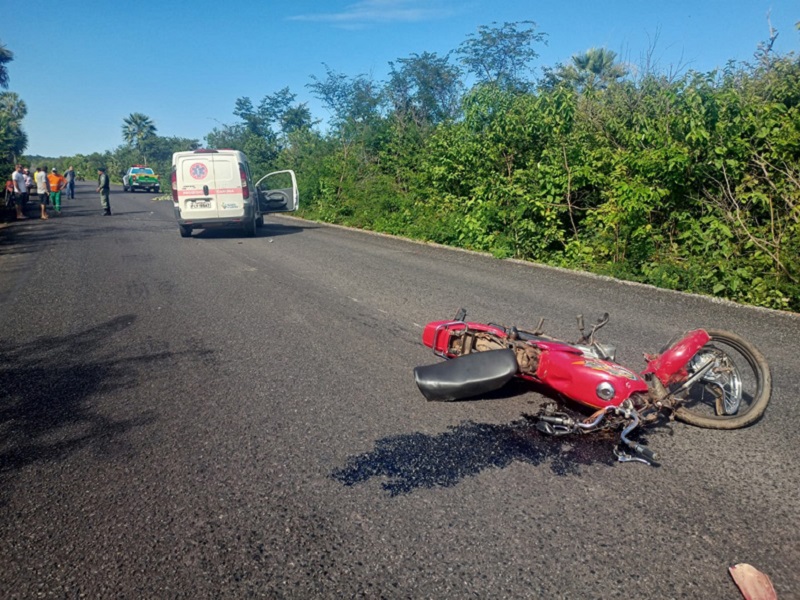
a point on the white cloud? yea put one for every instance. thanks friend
(380, 11)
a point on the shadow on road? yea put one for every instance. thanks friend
(49, 390)
(267, 231)
(418, 460)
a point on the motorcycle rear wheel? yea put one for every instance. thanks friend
(735, 392)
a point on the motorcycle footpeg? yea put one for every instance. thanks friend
(624, 457)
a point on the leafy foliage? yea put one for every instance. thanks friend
(13, 139)
(689, 183)
(595, 68)
(6, 56)
(424, 89)
(501, 55)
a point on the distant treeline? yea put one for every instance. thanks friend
(688, 182)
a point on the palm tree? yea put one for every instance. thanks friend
(137, 129)
(597, 67)
(6, 56)
(13, 106)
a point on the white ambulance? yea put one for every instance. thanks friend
(214, 188)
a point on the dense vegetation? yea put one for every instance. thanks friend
(688, 182)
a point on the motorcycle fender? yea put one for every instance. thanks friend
(436, 334)
(674, 359)
(578, 377)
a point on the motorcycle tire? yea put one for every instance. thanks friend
(735, 393)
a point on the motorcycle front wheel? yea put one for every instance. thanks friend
(735, 392)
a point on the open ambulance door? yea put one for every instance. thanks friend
(277, 192)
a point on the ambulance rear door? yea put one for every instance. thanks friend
(197, 187)
(230, 177)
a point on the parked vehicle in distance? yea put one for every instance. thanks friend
(139, 177)
(214, 188)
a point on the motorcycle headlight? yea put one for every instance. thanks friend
(605, 391)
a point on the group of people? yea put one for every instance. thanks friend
(48, 188)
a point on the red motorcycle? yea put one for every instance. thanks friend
(705, 377)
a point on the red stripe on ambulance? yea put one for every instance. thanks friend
(190, 193)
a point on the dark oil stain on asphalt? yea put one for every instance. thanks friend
(418, 460)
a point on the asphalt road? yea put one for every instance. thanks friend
(221, 417)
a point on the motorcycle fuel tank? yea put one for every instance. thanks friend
(591, 381)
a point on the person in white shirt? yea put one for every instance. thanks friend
(20, 191)
(42, 189)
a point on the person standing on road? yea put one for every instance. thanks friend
(57, 183)
(42, 189)
(69, 175)
(29, 183)
(20, 191)
(104, 187)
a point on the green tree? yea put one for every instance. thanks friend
(137, 130)
(350, 100)
(13, 106)
(596, 68)
(352, 183)
(502, 55)
(425, 89)
(228, 136)
(274, 116)
(13, 139)
(296, 118)
(6, 56)
(85, 165)
(263, 132)
(253, 122)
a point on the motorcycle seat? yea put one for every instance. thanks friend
(466, 376)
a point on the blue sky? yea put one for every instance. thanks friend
(83, 67)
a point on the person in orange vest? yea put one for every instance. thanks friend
(57, 183)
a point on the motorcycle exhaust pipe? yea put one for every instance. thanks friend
(552, 429)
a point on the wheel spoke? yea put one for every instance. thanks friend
(734, 392)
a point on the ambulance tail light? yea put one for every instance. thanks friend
(174, 181)
(243, 176)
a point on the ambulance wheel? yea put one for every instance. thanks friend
(250, 227)
(260, 221)
(185, 230)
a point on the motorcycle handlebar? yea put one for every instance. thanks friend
(643, 450)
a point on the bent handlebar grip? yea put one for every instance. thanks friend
(644, 451)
